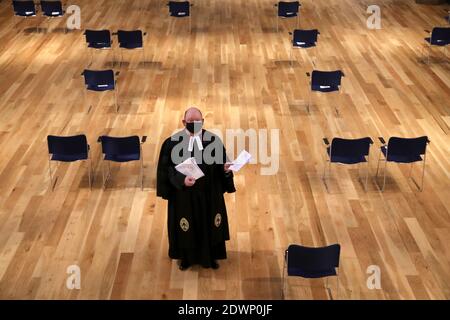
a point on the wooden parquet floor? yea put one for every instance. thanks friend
(237, 69)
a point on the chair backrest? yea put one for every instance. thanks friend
(179, 8)
(286, 9)
(67, 145)
(127, 37)
(308, 37)
(439, 34)
(350, 147)
(120, 145)
(24, 8)
(97, 79)
(407, 146)
(326, 78)
(98, 36)
(51, 8)
(313, 259)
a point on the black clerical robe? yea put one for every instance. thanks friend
(197, 217)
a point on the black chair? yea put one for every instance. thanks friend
(24, 9)
(403, 150)
(180, 9)
(325, 82)
(130, 40)
(348, 151)
(52, 10)
(123, 149)
(68, 149)
(288, 10)
(439, 37)
(102, 80)
(98, 40)
(312, 263)
(304, 39)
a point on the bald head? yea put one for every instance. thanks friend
(193, 114)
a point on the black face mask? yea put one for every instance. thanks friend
(194, 127)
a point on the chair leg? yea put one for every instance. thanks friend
(277, 23)
(50, 173)
(144, 56)
(423, 173)
(367, 173)
(378, 164)
(410, 169)
(92, 57)
(142, 172)
(337, 286)
(384, 177)
(429, 54)
(115, 98)
(90, 172)
(103, 173)
(309, 101)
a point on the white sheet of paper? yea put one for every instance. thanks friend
(325, 87)
(243, 158)
(190, 168)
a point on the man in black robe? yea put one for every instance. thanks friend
(197, 218)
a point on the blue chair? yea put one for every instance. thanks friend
(24, 9)
(325, 81)
(123, 149)
(68, 149)
(287, 10)
(403, 150)
(51, 10)
(180, 9)
(439, 37)
(102, 80)
(312, 263)
(130, 40)
(99, 40)
(304, 39)
(348, 151)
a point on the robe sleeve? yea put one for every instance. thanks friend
(227, 178)
(167, 177)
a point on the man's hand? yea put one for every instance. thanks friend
(226, 167)
(189, 181)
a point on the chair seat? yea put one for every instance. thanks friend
(130, 45)
(179, 14)
(437, 42)
(400, 158)
(26, 14)
(69, 157)
(122, 158)
(288, 15)
(99, 45)
(298, 44)
(324, 88)
(310, 273)
(101, 87)
(54, 14)
(346, 159)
